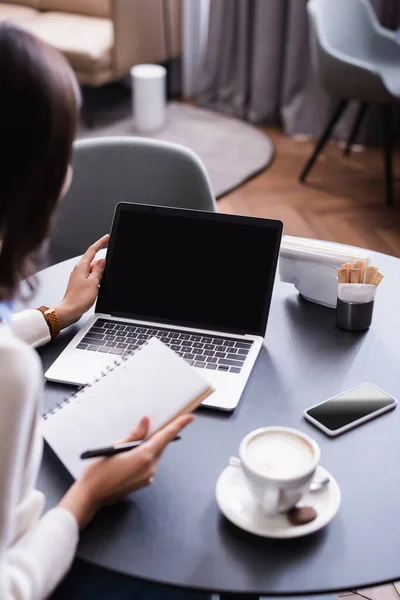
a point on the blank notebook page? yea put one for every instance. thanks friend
(153, 382)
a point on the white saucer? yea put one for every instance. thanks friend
(237, 504)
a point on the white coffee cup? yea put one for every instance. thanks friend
(279, 464)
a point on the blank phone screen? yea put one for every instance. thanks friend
(350, 406)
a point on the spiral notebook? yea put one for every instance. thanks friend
(154, 382)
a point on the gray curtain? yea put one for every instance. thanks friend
(257, 66)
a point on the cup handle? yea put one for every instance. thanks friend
(235, 462)
(271, 501)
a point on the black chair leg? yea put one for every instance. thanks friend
(388, 151)
(353, 134)
(324, 138)
(88, 105)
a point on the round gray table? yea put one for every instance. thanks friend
(173, 532)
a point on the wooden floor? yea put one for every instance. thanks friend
(343, 200)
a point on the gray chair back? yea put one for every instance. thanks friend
(124, 169)
(350, 49)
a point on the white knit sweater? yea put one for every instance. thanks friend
(35, 553)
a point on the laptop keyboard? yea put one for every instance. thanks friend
(204, 352)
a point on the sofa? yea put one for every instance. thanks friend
(102, 39)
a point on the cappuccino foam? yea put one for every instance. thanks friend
(279, 454)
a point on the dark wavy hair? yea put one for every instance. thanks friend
(39, 100)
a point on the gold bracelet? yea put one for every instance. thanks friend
(52, 320)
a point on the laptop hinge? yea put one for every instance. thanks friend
(178, 325)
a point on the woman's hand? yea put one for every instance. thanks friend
(107, 480)
(83, 285)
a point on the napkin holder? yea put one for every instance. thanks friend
(312, 266)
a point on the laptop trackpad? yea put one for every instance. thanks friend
(79, 367)
(228, 388)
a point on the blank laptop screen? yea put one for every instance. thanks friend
(190, 268)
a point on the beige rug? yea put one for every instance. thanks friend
(232, 150)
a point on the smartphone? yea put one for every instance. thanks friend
(347, 410)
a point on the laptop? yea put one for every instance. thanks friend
(201, 282)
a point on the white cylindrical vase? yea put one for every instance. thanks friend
(148, 97)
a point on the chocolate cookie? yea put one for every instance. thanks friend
(302, 515)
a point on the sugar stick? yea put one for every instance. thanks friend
(370, 271)
(376, 278)
(343, 275)
(361, 266)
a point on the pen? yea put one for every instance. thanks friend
(116, 449)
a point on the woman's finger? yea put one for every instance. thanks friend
(162, 438)
(97, 269)
(139, 433)
(91, 252)
(141, 484)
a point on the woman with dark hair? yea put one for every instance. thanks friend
(39, 100)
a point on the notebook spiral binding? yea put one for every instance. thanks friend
(81, 389)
